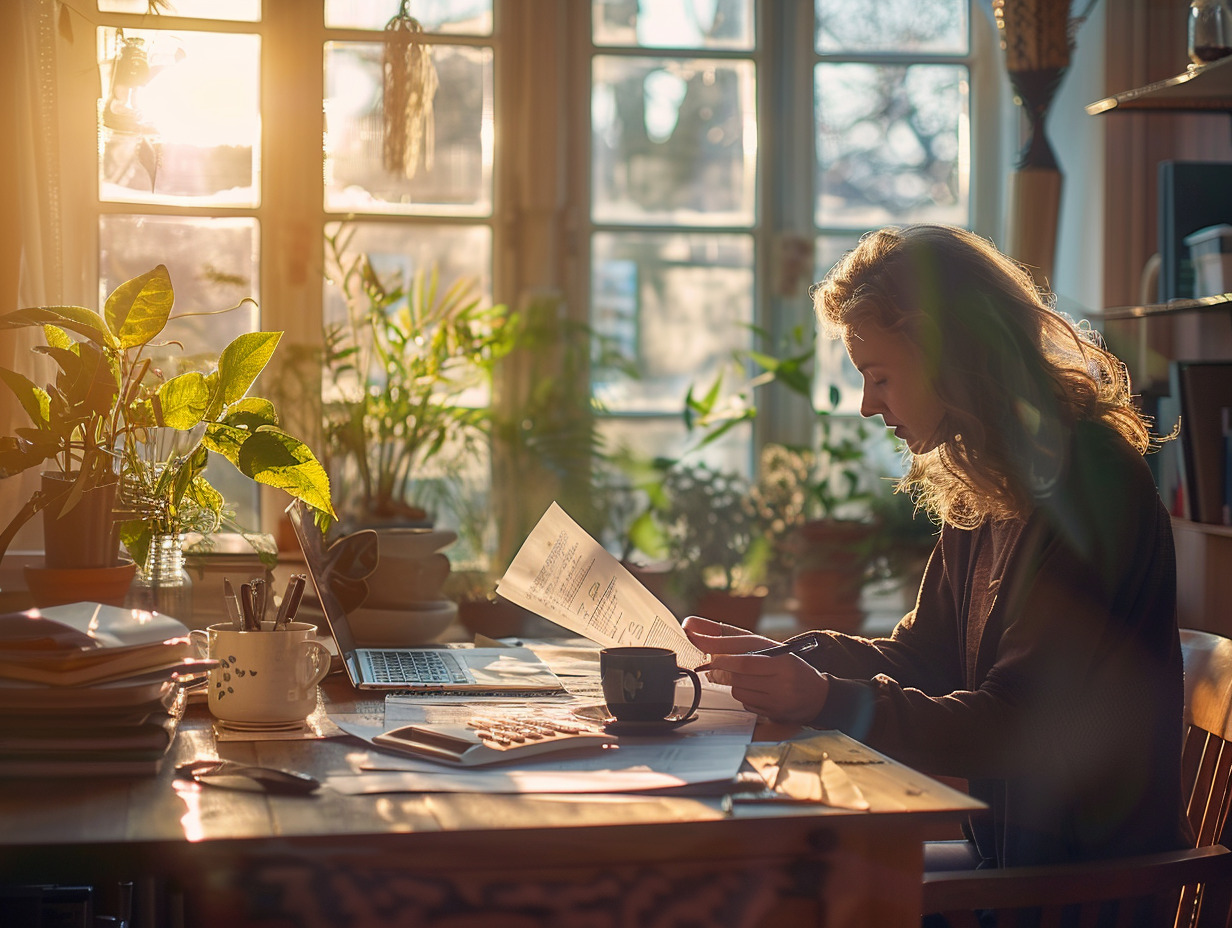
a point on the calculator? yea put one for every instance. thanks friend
(493, 739)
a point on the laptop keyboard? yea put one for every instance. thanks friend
(415, 668)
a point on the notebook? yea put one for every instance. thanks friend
(473, 671)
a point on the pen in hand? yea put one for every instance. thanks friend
(795, 646)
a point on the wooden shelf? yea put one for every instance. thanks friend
(1199, 88)
(1173, 307)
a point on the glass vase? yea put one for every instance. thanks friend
(162, 584)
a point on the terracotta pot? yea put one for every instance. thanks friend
(491, 618)
(732, 609)
(85, 536)
(51, 586)
(832, 559)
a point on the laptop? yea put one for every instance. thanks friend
(337, 574)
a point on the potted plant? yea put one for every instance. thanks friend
(705, 524)
(402, 372)
(96, 421)
(813, 502)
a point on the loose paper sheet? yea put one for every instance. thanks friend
(564, 575)
(707, 750)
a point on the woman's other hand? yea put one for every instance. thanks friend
(784, 688)
(713, 637)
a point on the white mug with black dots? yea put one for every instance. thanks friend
(263, 678)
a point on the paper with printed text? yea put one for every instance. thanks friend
(564, 575)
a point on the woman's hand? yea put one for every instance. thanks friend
(784, 688)
(713, 637)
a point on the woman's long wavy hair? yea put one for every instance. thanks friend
(1013, 375)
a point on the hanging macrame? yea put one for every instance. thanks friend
(410, 86)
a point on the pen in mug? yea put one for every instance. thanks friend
(232, 602)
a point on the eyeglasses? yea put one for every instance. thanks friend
(229, 774)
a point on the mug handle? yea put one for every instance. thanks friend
(320, 656)
(697, 695)
(201, 638)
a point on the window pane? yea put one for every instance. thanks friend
(920, 26)
(213, 265)
(459, 180)
(242, 10)
(674, 23)
(834, 368)
(675, 305)
(456, 251)
(674, 140)
(212, 262)
(456, 17)
(179, 117)
(892, 144)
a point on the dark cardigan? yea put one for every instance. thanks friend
(1041, 663)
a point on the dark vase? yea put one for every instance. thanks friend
(86, 535)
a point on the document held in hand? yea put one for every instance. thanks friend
(564, 575)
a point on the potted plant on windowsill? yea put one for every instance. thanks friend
(813, 503)
(703, 523)
(402, 372)
(95, 421)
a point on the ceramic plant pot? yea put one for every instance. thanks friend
(85, 536)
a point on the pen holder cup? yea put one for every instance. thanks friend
(264, 677)
(639, 684)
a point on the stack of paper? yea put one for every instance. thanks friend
(90, 689)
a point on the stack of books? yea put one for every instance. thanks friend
(88, 689)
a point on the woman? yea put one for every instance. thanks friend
(1041, 661)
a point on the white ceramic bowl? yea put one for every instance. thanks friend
(415, 623)
(412, 542)
(399, 580)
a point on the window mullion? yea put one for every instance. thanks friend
(291, 213)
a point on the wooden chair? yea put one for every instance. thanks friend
(1142, 892)
(1189, 889)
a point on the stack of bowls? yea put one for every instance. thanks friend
(404, 605)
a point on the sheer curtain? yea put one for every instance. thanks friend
(39, 263)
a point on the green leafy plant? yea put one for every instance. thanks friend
(97, 419)
(400, 374)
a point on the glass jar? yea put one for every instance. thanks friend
(162, 584)
(1210, 30)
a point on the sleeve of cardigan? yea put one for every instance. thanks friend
(1077, 665)
(923, 651)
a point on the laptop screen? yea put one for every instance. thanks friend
(337, 572)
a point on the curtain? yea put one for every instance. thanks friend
(39, 264)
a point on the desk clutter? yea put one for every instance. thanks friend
(88, 689)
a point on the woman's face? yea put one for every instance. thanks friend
(897, 386)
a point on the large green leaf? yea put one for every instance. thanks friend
(74, 318)
(250, 413)
(183, 401)
(33, 398)
(225, 440)
(244, 359)
(18, 454)
(58, 338)
(138, 309)
(278, 459)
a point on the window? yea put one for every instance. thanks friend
(669, 168)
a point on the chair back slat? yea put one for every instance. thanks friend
(1183, 889)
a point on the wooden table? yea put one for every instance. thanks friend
(224, 858)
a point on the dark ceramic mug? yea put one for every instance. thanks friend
(639, 684)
